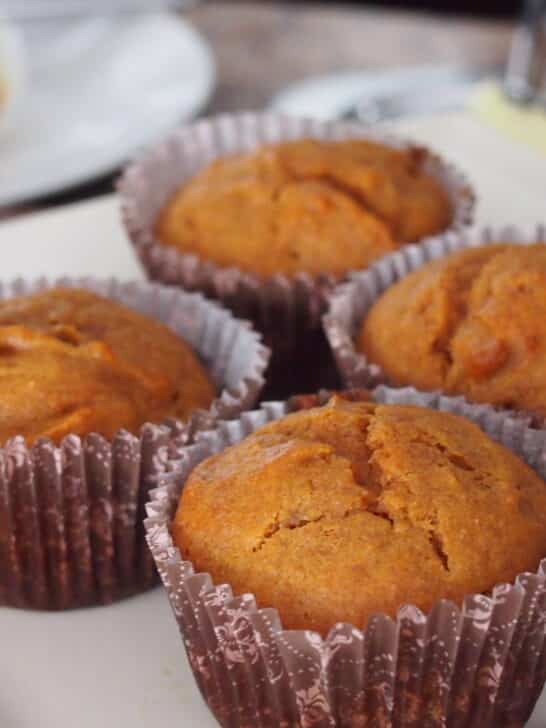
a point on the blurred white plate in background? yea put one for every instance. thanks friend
(330, 96)
(99, 90)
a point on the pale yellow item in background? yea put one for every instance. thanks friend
(525, 123)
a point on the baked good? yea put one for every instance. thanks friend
(472, 323)
(335, 513)
(74, 362)
(306, 205)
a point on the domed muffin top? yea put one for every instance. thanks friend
(335, 513)
(307, 205)
(74, 362)
(472, 323)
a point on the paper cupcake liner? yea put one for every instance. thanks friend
(480, 665)
(283, 308)
(351, 301)
(71, 516)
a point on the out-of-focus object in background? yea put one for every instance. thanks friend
(23, 10)
(525, 123)
(377, 96)
(513, 100)
(526, 69)
(99, 89)
(13, 75)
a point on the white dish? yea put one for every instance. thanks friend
(330, 96)
(124, 665)
(99, 90)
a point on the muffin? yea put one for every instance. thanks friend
(337, 513)
(471, 323)
(475, 663)
(266, 212)
(98, 401)
(72, 361)
(305, 206)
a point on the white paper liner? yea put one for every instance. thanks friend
(351, 301)
(482, 665)
(71, 516)
(280, 306)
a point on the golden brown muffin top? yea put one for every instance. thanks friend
(314, 206)
(74, 362)
(339, 512)
(472, 323)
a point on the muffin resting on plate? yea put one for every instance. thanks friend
(335, 513)
(74, 362)
(472, 323)
(306, 206)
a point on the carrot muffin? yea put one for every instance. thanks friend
(307, 205)
(472, 323)
(335, 513)
(74, 362)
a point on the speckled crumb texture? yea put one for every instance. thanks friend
(479, 664)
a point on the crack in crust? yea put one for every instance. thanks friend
(459, 284)
(375, 483)
(436, 542)
(296, 523)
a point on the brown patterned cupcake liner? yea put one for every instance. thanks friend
(350, 301)
(284, 309)
(71, 516)
(478, 665)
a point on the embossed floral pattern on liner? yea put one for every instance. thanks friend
(71, 515)
(480, 665)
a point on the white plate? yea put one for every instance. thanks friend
(328, 97)
(99, 90)
(124, 665)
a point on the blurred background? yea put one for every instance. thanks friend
(84, 84)
(484, 7)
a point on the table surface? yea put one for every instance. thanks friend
(261, 47)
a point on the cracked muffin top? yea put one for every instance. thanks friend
(74, 362)
(472, 323)
(338, 512)
(312, 206)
